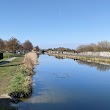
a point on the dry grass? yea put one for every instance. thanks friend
(85, 58)
(30, 60)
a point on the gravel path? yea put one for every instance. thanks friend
(11, 59)
(8, 61)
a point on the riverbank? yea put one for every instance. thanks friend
(21, 85)
(88, 58)
(8, 71)
(16, 79)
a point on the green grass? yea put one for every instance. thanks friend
(18, 82)
(9, 55)
(8, 75)
(4, 59)
(13, 78)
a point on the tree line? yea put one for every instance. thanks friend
(13, 45)
(94, 47)
(61, 49)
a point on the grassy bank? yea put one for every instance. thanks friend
(16, 79)
(16, 76)
(8, 73)
(85, 58)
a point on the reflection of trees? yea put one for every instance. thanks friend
(59, 57)
(100, 67)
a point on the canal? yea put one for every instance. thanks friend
(67, 84)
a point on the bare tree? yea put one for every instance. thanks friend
(81, 48)
(104, 45)
(12, 44)
(27, 45)
(100, 46)
(37, 48)
(2, 45)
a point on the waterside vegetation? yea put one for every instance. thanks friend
(94, 52)
(21, 84)
(95, 59)
(16, 79)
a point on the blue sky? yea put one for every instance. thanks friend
(53, 23)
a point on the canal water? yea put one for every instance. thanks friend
(67, 84)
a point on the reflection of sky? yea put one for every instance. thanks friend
(83, 86)
(48, 96)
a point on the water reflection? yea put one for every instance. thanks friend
(101, 67)
(59, 57)
(61, 75)
(67, 85)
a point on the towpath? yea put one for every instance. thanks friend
(8, 61)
